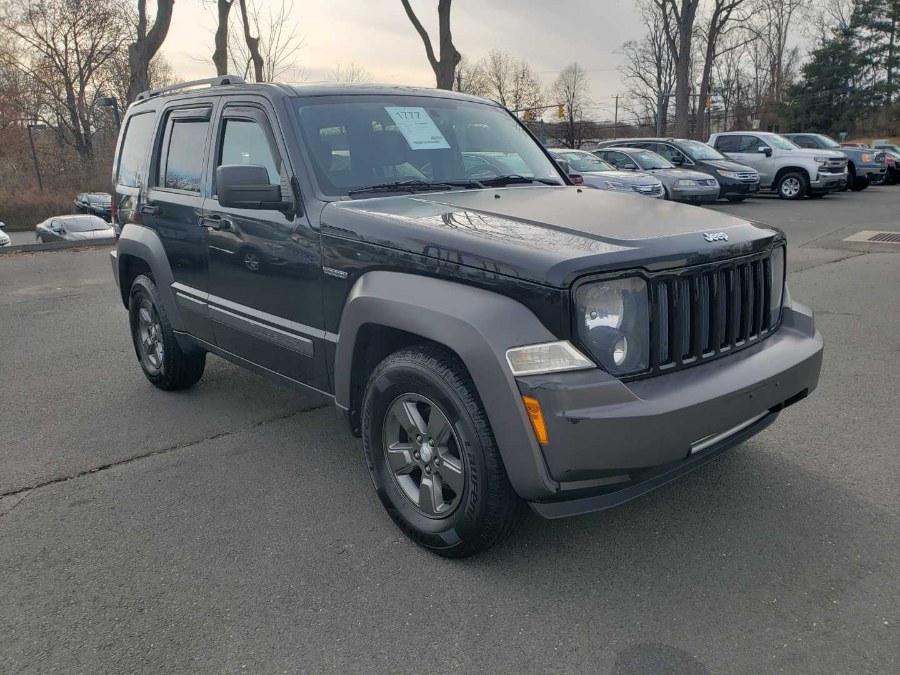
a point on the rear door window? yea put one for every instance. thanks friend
(750, 144)
(726, 144)
(135, 149)
(181, 161)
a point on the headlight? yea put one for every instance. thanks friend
(609, 185)
(728, 174)
(614, 324)
(685, 182)
(822, 160)
(868, 158)
(550, 357)
(776, 296)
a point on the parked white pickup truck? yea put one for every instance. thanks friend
(784, 167)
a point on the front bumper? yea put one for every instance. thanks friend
(703, 194)
(611, 441)
(729, 187)
(874, 172)
(828, 182)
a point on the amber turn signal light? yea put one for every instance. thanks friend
(533, 408)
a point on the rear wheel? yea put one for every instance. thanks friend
(432, 455)
(163, 361)
(792, 185)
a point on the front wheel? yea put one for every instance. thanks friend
(792, 185)
(432, 455)
(161, 357)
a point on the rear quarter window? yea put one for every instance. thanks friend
(135, 149)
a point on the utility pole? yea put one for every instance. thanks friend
(616, 119)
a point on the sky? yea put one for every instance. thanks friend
(549, 34)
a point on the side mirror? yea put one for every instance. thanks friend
(576, 178)
(677, 160)
(629, 167)
(765, 149)
(246, 186)
(2, 225)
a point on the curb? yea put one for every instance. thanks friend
(55, 246)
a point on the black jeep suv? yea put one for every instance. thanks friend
(496, 335)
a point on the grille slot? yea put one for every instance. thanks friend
(703, 312)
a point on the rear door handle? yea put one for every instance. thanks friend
(215, 223)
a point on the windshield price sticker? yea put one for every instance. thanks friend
(418, 128)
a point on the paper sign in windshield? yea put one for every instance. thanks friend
(417, 128)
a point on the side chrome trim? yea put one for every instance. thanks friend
(704, 443)
(271, 334)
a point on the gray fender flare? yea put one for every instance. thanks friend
(144, 243)
(479, 326)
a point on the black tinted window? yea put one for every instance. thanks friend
(244, 142)
(135, 149)
(727, 143)
(750, 144)
(804, 141)
(182, 161)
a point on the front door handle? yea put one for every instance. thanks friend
(215, 223)
(149, 210)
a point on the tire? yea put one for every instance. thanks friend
(736, 200)
(158, 352)
(851, 179)
(792, 185)
(860, 184)
(472, 506)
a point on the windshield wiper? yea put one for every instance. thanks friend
(512, 178)
(414, 184)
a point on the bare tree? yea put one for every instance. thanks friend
(220, 55)
(571, 91)
(445, 67)
(511, 82)
(350, 72)
(63, 48)
(648, 68)
(470, 78)
(678, 17)
(146, 44)
(278, 44)
(772, 26)
(722, 19)
(252, 44)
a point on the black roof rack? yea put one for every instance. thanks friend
(211, 81)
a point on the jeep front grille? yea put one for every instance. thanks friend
(700, 313)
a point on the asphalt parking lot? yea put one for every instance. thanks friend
(233, 528)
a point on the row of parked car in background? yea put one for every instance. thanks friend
(732, 165)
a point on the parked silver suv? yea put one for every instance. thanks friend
(783, 166)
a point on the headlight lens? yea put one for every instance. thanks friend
(728, 174)
(614, 324)
(822, 160)
(549, 357)
(776, 296)
(868, 158)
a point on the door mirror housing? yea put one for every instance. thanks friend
(765, 149)
(630, 166)
(246, 186)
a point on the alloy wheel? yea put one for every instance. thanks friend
(150, 335)
(790, 186)
(423, 454)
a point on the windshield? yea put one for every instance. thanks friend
(650, 160)
(827, 142)
(86, 224)
(780, 142)
(98, 199)
(585, 161)
(362, 141)
(700, 151)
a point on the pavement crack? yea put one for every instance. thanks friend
(831, 262)
(145, 455)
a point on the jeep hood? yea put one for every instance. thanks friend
(546, 235)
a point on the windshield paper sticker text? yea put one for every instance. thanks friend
(417, 128)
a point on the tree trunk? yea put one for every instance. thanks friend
(147, 44)
(445, 68)
(253, 46)
(683, 79)
(220, 55)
